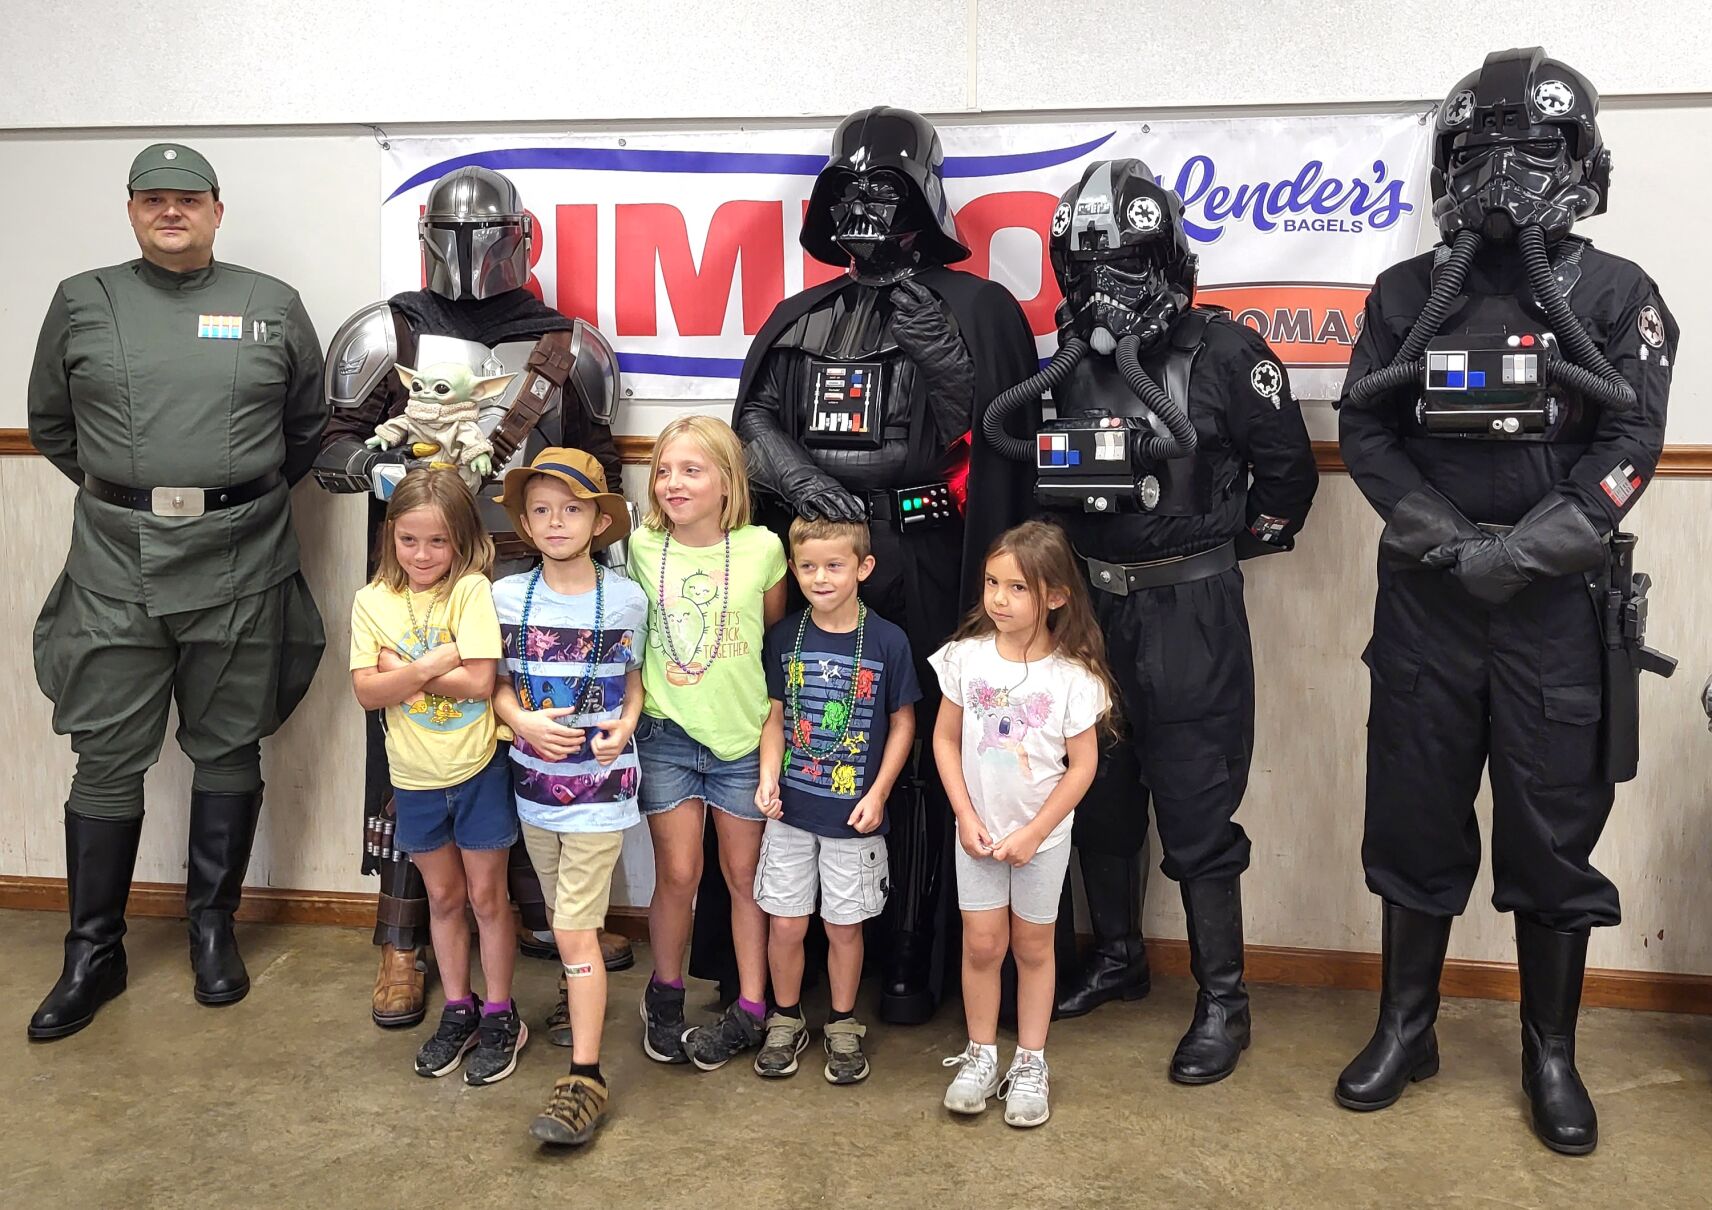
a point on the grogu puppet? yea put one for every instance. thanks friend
(440, 419)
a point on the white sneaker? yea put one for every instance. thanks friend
(977, 1079)
(1024, 1092)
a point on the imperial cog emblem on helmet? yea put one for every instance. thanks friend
(1266, 379)
(1553, 98)
(1143, 214)
(1061, 219)
(1460, 108)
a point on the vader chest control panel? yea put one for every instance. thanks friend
(845, 405)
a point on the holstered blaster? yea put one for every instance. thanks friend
(1620, 599)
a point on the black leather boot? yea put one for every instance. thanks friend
(1404, 1047)
(1116, 966)
(100, 855)
(1219, 1033)
(1552, 965)
(222, 829)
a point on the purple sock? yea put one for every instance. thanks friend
(494, 1007)
(468, 1001)
(675, 984)
(753, 1008)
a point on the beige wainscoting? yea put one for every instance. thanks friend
(1310, 613)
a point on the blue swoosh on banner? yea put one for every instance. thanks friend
(616, 159)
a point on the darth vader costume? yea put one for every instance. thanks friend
(856, 402)
(1177, 451)
(1505, 411)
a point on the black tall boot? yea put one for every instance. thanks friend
(100, 855)
(1219, 1033)
(1404, 1047)
(1552, 965)
(222, 829)
(1116, 966)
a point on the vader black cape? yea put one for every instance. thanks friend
(1001, 492)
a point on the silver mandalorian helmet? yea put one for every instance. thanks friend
(475, 234)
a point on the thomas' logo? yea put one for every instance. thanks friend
(1553, 98)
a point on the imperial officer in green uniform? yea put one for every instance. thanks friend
(182, 396)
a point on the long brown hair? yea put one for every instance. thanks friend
(1049, 565)
(472, 549)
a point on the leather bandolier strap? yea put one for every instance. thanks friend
(544, 376)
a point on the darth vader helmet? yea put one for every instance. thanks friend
(878, 207)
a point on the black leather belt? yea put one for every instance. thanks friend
(1121, 579)
(181, 501)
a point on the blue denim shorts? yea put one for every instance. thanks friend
(675, 768)
(475, 815)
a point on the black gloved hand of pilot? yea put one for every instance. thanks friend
(1555, 538)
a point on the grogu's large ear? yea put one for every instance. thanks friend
(405, 374)
(487, 388)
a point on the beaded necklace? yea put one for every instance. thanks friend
(839, 712)
(595, 654)
(671, 647)
(420, 631)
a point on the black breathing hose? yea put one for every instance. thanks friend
(1029, 390)
(1406, 367)
(1181, 443)
(1591, 375)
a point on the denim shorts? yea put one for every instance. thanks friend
(475, 815)
(676, 768)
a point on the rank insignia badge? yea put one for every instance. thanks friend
(220, 327)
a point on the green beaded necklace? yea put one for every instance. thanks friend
(839, 712)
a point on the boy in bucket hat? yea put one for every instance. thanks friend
(573, 698)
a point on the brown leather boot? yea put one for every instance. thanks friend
(400, 989)
(615, 951)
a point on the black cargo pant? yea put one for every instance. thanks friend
(1185, 670)
(1458, 685)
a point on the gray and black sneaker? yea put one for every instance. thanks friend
(711, 1047)
(501, 1037)
(455, 1038)
(845, 1062)
(663, 1023)
(786, 1038)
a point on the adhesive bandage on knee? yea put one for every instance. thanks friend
(578, 970)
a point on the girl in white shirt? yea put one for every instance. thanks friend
(1025, 684)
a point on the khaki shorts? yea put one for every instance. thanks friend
(850, 874)
(575, 869)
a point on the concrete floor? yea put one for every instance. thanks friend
(292, 1098)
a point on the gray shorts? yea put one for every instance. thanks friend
(1030, 891)
(851, 873)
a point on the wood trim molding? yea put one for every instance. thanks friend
(635, 449)
(1648, 991)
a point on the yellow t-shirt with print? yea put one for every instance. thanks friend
(433, 741)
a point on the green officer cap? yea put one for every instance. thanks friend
(172, 166)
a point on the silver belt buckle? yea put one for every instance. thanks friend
(177, 502)
(1108, 577)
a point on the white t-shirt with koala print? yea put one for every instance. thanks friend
(1017, 719)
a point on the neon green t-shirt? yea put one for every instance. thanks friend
(432, 742)
(719, 698)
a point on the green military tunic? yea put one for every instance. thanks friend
(147, 378)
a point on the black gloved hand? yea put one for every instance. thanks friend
(929, 338)
(1424, 530)
(829, 501)
(784, 467)
(1554, 539)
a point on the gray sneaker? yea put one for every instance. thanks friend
(786, 1038)
(1024, 1092)
(845, 1062)
(977, 1079)
(711, 1047)
(456, 1036)
(663, 1023)
(498, 1040)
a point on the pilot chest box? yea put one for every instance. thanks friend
(1488, 385)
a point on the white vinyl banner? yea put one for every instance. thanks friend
(678, 246)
